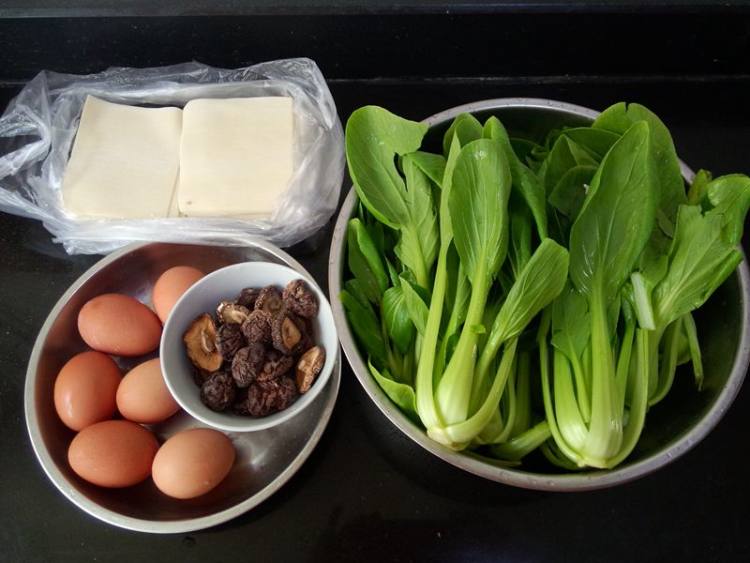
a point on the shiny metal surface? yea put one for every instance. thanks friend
(673, 427)
(265, 459)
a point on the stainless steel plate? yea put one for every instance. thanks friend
(265, 459)
(672, 427)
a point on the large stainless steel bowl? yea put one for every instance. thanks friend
(266, 459)
(673, 427)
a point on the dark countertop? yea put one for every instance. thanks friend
(367, 493)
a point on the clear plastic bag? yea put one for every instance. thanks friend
(38, 128)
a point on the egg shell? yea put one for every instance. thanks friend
(119, 324)
(192, 462)
(113, 453)
(143, 396)
(85, 389)
(170, 286)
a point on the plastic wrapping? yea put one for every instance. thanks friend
(38, 128)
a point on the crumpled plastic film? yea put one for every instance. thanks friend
(39, 126)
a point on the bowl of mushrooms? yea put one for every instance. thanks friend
(248, 346)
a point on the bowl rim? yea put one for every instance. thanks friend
(246, 423)
(571, 482)
(94, 509)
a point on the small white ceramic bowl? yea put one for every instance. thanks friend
(203, 297)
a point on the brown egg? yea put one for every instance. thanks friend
(113, 453)
(118, 324)
(170, 286)
(192, 463)
(143, 396)
(85, 389)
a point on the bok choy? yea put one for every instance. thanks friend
(514, 295)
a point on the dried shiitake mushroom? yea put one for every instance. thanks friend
(240, 402)
(275, 365)
(299, 298)
(218, 391)
(258, 353)
(248, 296)
(200, 342)
(232, 313)
(309, 367)
(261, 399)
(200, 376)
(286, 334)
(264, 398)
(269, 300)
(229, 339)
(287, 392)
(306, 328)
(257, 327)
(247, 364)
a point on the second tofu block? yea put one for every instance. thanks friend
(236, 156)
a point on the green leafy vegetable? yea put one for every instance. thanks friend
(568, 194)
(605, 241)
(418, 246)
(524, 180)
(397, 320)
(366, 327)
(465, 128)
(415, 305)
(671, 188)
(730, 197)
(433, 165)
(699, 261)
(478, 211)
(374, 137)
(596, 142)
(365, 262)
(565, 154)
(699, 187)
(400, 393)
(587, 240)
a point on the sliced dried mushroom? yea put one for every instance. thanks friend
(299, 298)
(308, 368)
(248, 296)
(229, 339)
(218, 391)
(200, 342)
(286, 334)
(257, 327)
(274, 366)
(232, 313)
(269, 300)
(247, 364)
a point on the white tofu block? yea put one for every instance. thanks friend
(124, 161)
(236, 156)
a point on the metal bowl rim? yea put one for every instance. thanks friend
(141, 524)
(570, 482)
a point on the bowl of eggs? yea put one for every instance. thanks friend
(105, 426)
